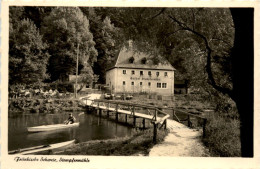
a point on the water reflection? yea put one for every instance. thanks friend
(91, 128)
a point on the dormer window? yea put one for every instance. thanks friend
(144, 60)
(131, 59)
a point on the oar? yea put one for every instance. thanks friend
(81, 113)
(28, 149)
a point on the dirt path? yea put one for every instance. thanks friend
(181, 141)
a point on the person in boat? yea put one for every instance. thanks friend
(71, 119)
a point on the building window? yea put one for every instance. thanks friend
(149, 73)
(149, 84)
(123, 82)
(133, 83)
(141, 83)
(157, 74)
(159, 85)
(164, 85)
(124, 71)
(133, 72)
(141, 73)
(165, 74)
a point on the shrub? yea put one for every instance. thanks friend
(223, 136)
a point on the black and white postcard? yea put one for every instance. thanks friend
(129, 84)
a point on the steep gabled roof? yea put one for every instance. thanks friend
(123, 61)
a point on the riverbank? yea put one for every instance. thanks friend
(139, 144)
(222, 134)
(177, 141)
(40, 105)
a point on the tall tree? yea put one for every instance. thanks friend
(28, 55)
(243, 79)
(36, 14)
(106, 37)
(66, 30)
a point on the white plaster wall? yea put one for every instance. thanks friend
(111, 78)
(136, 78)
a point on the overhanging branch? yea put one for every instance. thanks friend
(161, 11)
(209, 51)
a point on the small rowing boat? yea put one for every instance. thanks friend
(51, 127)
(36, 149)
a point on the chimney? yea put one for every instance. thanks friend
(130, 44)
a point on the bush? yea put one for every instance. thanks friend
(223, 137)
(63, 87)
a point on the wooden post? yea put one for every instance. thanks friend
(100, 112)
(134, 119)
(98, 108)
(155, 115)
(189, 122)
(108, 105)
(154, 133)
(204, 127)
(173, 113)
(116, 112)
(77, 65)
(126, 118)
(143, 123)
(165, 123)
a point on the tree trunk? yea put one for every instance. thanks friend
(243, 74)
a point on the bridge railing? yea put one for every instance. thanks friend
(158, 117)
(156, 111)
(188, 119)
(128, 106)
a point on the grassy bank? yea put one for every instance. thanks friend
(138, 144)
(222, 129)
(223, 136)
(50, 105)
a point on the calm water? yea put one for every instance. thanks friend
(91, 128)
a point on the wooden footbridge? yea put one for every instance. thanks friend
(154, 114)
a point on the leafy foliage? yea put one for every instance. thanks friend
(222, 136)
(105, 36)
(196, 41)
(36, 14)
(67, 31)
(27, 53)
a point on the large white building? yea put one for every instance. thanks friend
(135, 72)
